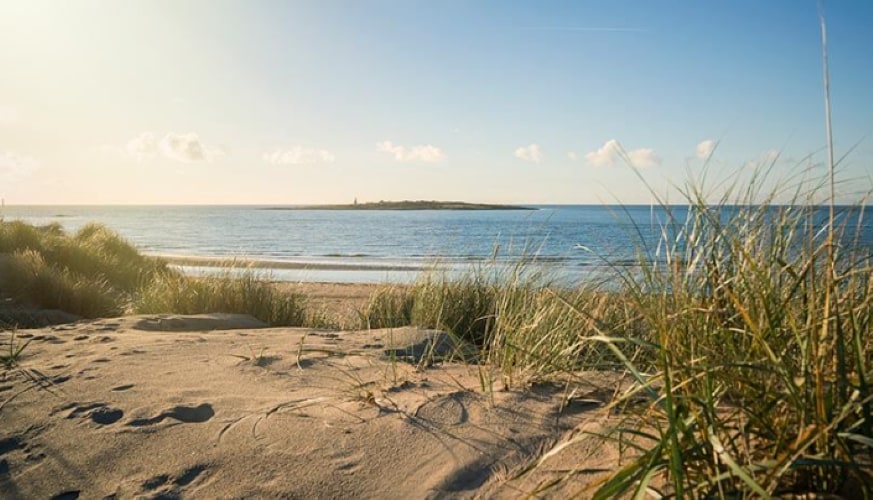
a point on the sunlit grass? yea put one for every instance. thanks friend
(96, 273)
(524, 325)
(229, 292)
(746, 328)
(11, 350)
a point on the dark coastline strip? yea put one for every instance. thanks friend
(231, 263)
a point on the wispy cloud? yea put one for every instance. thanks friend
(612, 153)
(572, 155)
(185, 147)
(143, 146)
(298, 155)
(706, 148)
(422, 153)
(14, 166)
(530, 153)
(188, 147)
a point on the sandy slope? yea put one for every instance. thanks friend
(216, 407)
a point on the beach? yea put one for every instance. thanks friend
(346, 249)
(122, 375)
(222, 406)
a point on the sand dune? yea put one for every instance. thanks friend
(216, 406)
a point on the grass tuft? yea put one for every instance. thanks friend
(10, 351)
(96, 273)
(755, 351)
(247, 293)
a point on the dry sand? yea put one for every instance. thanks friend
(216, 406)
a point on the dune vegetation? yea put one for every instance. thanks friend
(746, 330)
(96, 273)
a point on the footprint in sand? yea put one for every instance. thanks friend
(10, 444)
(99, 413)
(170, 486)
(184, 414)
(49, 339)
(450, 409)
(346, 462)
(67, 495)
(21, 443)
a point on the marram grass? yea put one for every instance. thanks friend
(96, 273)
(746, 328)
(247, 293)
(758, 355)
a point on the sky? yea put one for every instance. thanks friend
(326, 101)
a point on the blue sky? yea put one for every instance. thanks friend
(324, 101)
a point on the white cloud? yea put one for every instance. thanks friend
(572, 155)
(389, 147)
(612, 152)
(185, 147)
(706, 148)
(530, 153)
(188, 148)
(298, 155)
(423, 153)
(644, 158)
(605, 156)
(14, 166)
(143, 146)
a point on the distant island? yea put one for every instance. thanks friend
(407, 205)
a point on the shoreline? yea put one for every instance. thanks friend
(255, 263)
(370, 272)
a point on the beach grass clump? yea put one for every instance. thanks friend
(18, 235)
(524, 325)
(29, 278)
(756, 354)
(542, 330)
(463, 306)
(233, 292)
(11, 350)
(388, 307)
(94, 252)
(91, 274)
(97, 273)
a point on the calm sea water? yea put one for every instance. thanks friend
(374, 246)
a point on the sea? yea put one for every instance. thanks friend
(569, 242)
